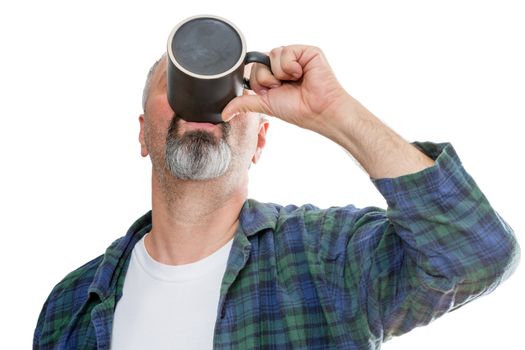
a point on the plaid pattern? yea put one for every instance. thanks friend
(310, 278)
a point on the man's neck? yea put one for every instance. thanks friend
(193, 219)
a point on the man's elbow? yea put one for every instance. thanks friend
(507, 259)
(500, 258)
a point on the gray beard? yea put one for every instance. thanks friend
(198, 154)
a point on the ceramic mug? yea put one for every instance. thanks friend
(206, 59)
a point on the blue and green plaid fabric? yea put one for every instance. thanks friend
(310, 278)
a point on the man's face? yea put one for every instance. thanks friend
(196, 151)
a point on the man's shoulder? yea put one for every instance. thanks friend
(311, 212)
(75, 285)
(279, 210)
(78, 279)
(311, 220)
(71, 292)
(257, 215)
(66, 298)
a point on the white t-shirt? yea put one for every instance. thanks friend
(168, 307)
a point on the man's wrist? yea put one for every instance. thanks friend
(378, 148)
(341, 121)
(337, 117)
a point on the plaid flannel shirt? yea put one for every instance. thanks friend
(310, 278)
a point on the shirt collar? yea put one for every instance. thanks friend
(254, 217)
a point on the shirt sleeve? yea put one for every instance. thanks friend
(440, 246)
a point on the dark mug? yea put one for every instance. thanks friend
(206, 59)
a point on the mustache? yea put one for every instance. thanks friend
(175, 122)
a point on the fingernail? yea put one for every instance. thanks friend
(232, 116)
(263, 92)
(297, 75)
(275, 86)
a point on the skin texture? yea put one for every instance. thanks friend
(192, 219)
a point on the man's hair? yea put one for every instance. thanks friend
(145, 92)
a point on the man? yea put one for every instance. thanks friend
(207, 268)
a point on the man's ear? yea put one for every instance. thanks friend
(261, 140)
(143, 148)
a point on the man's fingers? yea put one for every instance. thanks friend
(285, 67)
(277, 67)
(264, 77)
(289, 64)
(243, 104)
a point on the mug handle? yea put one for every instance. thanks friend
(255, 57)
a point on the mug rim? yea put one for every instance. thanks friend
(204, 76)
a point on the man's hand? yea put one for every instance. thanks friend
(302, 90)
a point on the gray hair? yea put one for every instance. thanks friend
(147, 85)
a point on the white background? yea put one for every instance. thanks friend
(72, 179)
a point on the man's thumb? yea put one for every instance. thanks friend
(243, 104)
